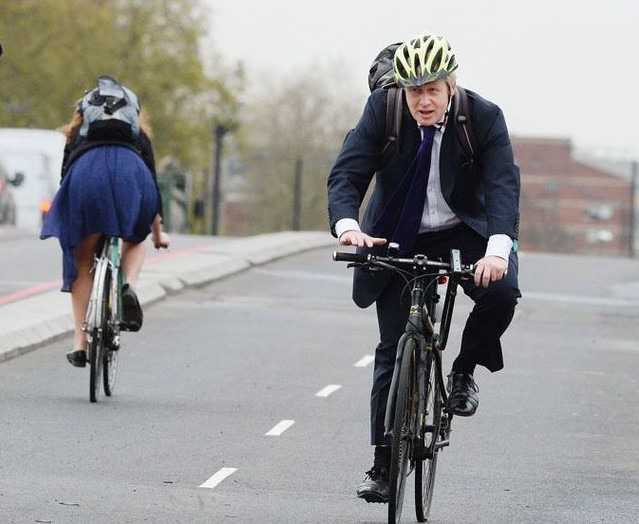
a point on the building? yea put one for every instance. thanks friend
(568, 206)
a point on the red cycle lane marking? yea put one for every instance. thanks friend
(47, 286)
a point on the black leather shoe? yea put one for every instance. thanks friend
(462, 394)
(77, 358)
(131, 310)
(375, 486)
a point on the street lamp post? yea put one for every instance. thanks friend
(634, 203)
(218, 135)
(297, 195)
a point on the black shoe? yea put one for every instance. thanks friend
(462, 394)
(77, 358)
(375, 486)
(132, 316)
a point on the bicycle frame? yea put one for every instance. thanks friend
(422, 323)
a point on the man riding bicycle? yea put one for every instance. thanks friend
(472, 206)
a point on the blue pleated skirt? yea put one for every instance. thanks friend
(108, 190)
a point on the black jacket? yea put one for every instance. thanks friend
(485, 196)
(108, 134)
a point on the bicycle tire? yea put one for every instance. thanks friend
(98, 330)
(404, 417)
(110, 369)
(112, 343)
(111, 352)
(426, 466)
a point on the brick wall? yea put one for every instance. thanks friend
(567, 206)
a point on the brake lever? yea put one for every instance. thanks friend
(364, 266)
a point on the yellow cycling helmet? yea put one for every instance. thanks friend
(425, 58)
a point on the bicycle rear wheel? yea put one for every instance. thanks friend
(405, 412)
(98, 333)
(426, 465)
(110, 363)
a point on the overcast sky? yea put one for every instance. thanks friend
(557, 68)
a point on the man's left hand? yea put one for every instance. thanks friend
(489, 269)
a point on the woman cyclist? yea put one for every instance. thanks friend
(108, 187)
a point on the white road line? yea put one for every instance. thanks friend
(325, 392)
(218, 477)
(280, 428)
(364, 361)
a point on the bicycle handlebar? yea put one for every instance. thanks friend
(418, 262)
(343, 256)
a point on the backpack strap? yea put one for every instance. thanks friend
(463, 125)
(461, 119)
(394, 108)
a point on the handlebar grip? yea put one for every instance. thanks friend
(342, 256)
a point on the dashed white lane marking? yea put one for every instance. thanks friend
(280, 428)
(326, 391)
(218, 477)
(364, 361)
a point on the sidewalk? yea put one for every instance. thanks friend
(34, 321)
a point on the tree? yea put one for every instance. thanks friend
(288, 122)
(55, 50)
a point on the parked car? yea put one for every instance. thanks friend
(7, 200)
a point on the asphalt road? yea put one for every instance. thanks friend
(247, 401)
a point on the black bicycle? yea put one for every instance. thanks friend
(103, 319)
(416, 415)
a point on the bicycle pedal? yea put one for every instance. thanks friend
(442, 444)
(422, 453)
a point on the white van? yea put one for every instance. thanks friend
(37, 154)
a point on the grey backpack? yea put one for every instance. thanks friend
(109, 100)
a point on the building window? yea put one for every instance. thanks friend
(599, 236)
(599, 211)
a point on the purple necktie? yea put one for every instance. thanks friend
(410, 196)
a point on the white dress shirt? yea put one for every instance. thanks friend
(437, 214)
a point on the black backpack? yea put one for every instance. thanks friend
(381, 76)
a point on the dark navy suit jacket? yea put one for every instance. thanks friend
(485, 196)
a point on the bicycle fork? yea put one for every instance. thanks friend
(413, 330)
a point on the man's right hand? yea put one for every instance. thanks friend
(359, 239)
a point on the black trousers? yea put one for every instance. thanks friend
(480, 345)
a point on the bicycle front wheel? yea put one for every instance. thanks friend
(98, 333)
(405, 412)
(426, 465)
